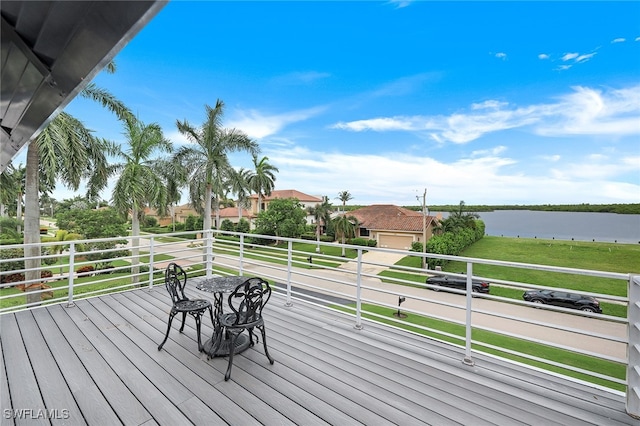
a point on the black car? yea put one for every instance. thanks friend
(563, 299)
(458, 283)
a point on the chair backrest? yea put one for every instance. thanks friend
(248, 299)
(175, 279)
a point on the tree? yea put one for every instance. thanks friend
(65, 149)
(238, 182)
(322, 215)
(457, 220)
(175, 177)
(285, 217)
(208, 158)
(139, 184)
(344, 196)
(262, 179)
(9, 188)
(345, 227)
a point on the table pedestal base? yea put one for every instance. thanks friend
(242, 343)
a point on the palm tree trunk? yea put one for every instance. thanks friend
(19, 210)
(206, 221)
(32, 261)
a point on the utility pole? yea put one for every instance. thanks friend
(424, 227)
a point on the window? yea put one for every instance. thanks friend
(364, 232)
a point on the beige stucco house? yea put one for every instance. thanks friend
(304, 199)
(392, 226)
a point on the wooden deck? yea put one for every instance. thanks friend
(97, 363)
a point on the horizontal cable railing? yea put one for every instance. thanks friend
(544, 336)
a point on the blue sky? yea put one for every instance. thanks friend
(490, 103)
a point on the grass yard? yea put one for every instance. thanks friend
(610, 257)
(609, 368)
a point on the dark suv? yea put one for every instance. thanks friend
(563, 299)
(457, 283)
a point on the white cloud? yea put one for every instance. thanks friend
(588, 111)
(585, 111)
(259, 125)
(485, 177)
(399, 4)
(551, 158)
(618, 40)
(501, 55)
(637, 39)
(301, 77)
(570, 56)
(543, 56)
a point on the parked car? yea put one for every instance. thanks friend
(459, 283)
(563, 299)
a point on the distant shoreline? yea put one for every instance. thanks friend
(587, 208)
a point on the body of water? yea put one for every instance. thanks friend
(604, 227)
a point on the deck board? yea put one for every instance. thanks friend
(102, 356)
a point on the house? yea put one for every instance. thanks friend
(392, 226)
(305, 200)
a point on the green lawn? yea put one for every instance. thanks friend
(610, 257)
(573, 359)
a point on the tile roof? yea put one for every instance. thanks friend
(232, 212)
(290, 193)
(389, 217)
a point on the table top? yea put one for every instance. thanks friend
(221, 284)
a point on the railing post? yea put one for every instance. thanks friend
(358, 325)
(467, 353)
(208, 238)
(72, 255)
(289, 264)
(633, 363)
(241, 254)
(151, 244)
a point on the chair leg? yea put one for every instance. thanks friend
(198, 326)
(264, 343)
(166, 336)
(232, 350)
(184, 317)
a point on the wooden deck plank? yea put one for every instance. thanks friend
(108, 340)
(187, 364)
(426, 378)
(125, 404)
(5, 399)
(95, 409)
(386, 398)
(27, 395)
(57, 396)
(325, 372)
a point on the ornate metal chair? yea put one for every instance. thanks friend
(175, 280)
(245, 304)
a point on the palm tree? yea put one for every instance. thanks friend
(238, 182)
(174, 176)
(322, 215)
(8, 188)
(462, 219)
(65, 149)
(344, 196)
(208, 158)
(139, 183)
(262, 179)
(345, 227)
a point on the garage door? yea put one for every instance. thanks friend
(401, 242)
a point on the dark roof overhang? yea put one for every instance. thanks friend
(50, 51)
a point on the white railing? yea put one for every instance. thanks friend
(354, 284)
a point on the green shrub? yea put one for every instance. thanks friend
(227, 225)
(243, 225)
